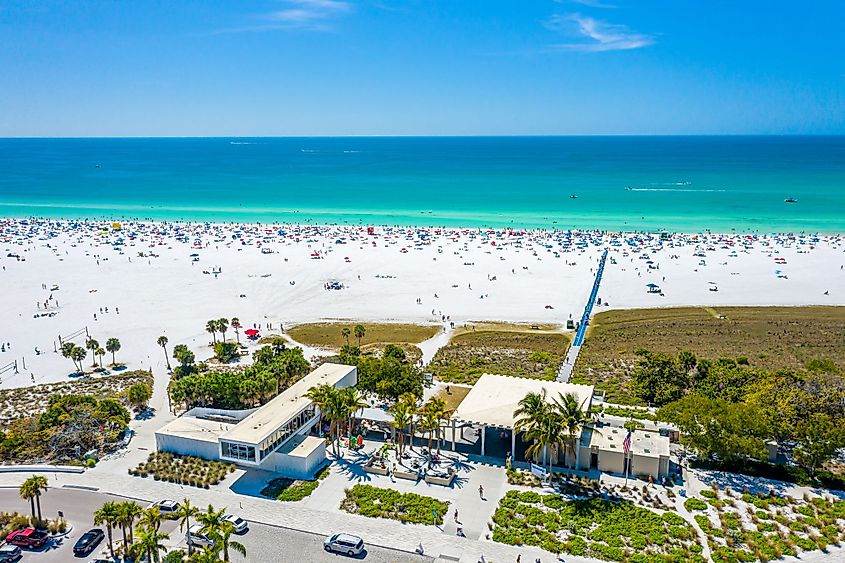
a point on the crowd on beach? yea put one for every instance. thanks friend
(143, 274)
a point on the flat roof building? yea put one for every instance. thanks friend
(273, 437)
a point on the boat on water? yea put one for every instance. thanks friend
(573, 196)
(791, 200)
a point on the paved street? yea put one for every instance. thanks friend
(262, 542)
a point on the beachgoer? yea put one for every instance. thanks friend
(481, 491)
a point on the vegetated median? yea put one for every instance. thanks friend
(293, 490)
(767, 337)
(412, 508)
(183, 469)
(518, 350)
(333, 336)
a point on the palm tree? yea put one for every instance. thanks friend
(224, 541)
(431, 414)
(572, 418)
(34, 485)
(360, 331)
(150, 518)
(27, 492)
(162, 341)
(401, 419)
(107, 515)
(208, 554)
(92, 345)
(345, 333)
(211, 328)
(128, 512)
(236, 324)
(410, 401)
(150, 544)
(113, 345)
(542, 424)
(319, 397)
(78, 354)
(100, 352)
(354, 402)
(223, 326)
(185, 512)
(212, 520)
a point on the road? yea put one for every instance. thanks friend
(262, 542)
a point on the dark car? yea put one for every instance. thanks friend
(88, 542)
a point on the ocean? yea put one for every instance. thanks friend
(685, 184)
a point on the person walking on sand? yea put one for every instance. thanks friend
(456, 516)
(481, 491)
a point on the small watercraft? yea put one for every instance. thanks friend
(573, 196)
(790, 200)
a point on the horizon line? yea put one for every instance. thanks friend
(421, 136)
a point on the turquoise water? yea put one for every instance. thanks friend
(676, 183)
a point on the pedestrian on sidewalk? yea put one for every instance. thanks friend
(481, 491)
(456, 516)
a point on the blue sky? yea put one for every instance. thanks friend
(385, 67)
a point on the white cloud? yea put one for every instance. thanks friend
(588, 3)
(599, 35)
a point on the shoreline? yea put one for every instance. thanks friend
(148, 221)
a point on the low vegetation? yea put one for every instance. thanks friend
(374, 502)
(524, 353)
(604, 529)
(335, 335)
(183, 469)
(741, 526)
(291, 490)
(769, 338)
(67, 428)
(24, 402)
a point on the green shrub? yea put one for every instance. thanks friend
(693, 504)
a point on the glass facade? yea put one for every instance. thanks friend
(290, 428)
(240, 452)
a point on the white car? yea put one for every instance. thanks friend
(239, 524)
(196, 536)
(167, 507)
(344, 543)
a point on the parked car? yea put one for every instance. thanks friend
(88, 541)
(10, 553)
(344, 543)
(237, 522)
(167, 507)
(27, 537)
(196, 536)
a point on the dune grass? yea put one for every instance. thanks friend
(770, 337)
(521, 352)
(329, 335)
(454, 397)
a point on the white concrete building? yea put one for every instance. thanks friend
(274, 437)
(493, 399)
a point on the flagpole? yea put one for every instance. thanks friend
(627, 465)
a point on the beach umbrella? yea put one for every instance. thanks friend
(250, 332)
(651, 285)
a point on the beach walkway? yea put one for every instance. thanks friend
(565, 370)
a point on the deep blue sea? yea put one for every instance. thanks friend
(686, 184)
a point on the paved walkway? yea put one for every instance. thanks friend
(565, 371)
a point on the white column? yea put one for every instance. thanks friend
(453, 434)
(483, 435)
(513, 445)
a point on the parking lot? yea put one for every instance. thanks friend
(262, 542)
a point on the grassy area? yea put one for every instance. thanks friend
(329, 335)
(290, 490)
(374, 502)
(183, 469)
(22, 402)
(770, 337)
(454, 397)
(612, 531)
(518, 351)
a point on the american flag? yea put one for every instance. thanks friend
(626, 443)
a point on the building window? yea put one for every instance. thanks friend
(278, 438)
(238, 451)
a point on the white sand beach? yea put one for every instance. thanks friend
(56, 276)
